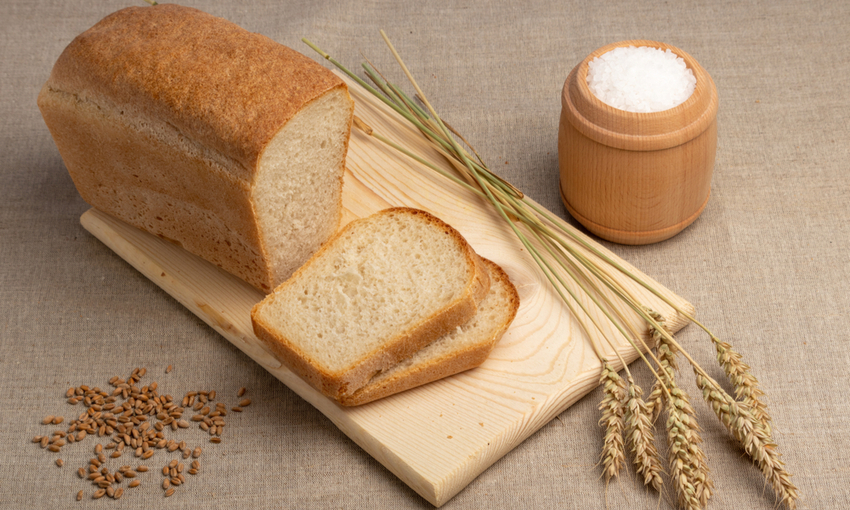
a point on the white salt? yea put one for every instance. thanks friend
(640, 79)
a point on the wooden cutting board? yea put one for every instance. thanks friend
(439, 437)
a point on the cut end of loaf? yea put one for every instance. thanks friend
(297, 189)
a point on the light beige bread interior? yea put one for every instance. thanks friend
(464, 348)
(384, 287)
(194, 129)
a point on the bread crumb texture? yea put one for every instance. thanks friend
(380, 276)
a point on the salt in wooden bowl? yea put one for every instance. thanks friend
(631, 177)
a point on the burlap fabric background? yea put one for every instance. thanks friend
(766, 265)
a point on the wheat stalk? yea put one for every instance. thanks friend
(613, 410)
(739, 419)
(688, 467)
(641, 440)
(666, 358)
(746, 385)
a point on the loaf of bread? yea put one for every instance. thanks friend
(194, 129)
(462, 349)
(380, 290)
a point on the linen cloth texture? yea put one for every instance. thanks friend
(766, 265)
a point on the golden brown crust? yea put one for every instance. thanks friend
(446, 365)
(156, 187)
(341, 384)
(161, 115)
(218, 84)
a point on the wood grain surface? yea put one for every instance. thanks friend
(439, 437)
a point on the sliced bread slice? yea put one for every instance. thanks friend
(466, 347)
(381, 289)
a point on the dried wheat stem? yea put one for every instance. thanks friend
(640, 438)
(738, 418)
(613, 409)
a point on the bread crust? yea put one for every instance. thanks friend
(162, 114)
(448, 364)
(229, 89)
(338, 385)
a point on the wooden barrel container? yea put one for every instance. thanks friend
(636, 178)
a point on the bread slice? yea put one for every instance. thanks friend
(384, 287)
(464, 348)
(189, 127)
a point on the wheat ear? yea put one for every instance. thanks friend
(689, 470)
(746, 385)
(640, 439)
(666, 356)
(739, 419)
(613, 408)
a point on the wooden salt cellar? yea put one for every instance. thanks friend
(636, 178)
